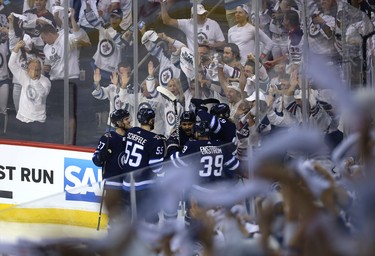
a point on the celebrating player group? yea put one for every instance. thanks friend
(199, 145)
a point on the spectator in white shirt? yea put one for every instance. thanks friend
(243, 34)
(208, 29)
(35, 87)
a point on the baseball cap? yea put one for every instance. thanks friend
(187, 62)
(234, 86)
(149, 35)
(245, 8)
(117, 13)
(253, 96)
(200, 9)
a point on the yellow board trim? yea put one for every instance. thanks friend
(53, 216)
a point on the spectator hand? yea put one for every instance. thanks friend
(151, 69)
(97, 76)
(114, 78)
(42, 22)
(162, 36)
(11, 18)
(127, 36)
(46, 68)
(20, 44)
(294, 79)
(268, 64)
(72, 12)
(251, 57)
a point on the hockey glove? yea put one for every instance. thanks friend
(104, 155)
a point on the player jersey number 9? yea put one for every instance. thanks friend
(133, 154)
(212, 165)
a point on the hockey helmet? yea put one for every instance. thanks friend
(144, 115)
(202, 127)
(188, 116)
(118, 115)
(221, 110)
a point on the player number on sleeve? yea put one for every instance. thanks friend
(133, 154)
(212, 165)
(159, 151)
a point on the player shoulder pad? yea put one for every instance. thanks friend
(160, 137)
(222, 120)
(108, 135)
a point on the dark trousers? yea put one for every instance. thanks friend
(146, 210)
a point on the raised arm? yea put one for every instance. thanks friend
(167, 20)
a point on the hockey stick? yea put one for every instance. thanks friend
(198, 102)
(101, 207)
(103, 193)
(166, 93)
(171, 97)
(211, 101)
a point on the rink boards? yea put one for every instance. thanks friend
(47, 183)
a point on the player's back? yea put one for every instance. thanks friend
(144, 151)
(210, 161)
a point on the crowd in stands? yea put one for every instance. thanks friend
(303, 142)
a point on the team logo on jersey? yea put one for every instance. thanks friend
(165, 76)
(81, 179)
(202, 37)
(121, 159)
(171, 117)
(31, 93)
(118, 103)
(106, 48)
(314, 29)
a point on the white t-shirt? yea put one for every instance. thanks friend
(55, 55)
(210, 31)
(244, 38)
(32, 106)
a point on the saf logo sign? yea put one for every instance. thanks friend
(81, 179)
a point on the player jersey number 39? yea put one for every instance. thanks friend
(212, 165)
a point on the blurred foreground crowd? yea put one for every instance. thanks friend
(268, 156)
